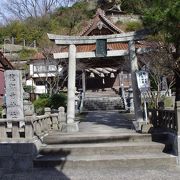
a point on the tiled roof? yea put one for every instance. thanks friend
(110, 46)
(98, 22)
(4, 65)
(4, 62)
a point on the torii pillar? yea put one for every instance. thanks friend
(71, 125)
(136, 93)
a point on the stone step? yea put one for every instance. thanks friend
(103, 103)
(102, 148)
(100, 161)
(102, 94)
(63, 138)
(105, 108)
(105, 98)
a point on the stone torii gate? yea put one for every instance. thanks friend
(72, 41)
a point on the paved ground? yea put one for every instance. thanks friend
(98, 174)
(100, 122)
(106, 121)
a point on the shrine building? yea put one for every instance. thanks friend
(98, 75)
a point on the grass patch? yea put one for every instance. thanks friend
(133, 26)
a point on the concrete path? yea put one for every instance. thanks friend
(99, 122)
(106, 122)
(97, 174)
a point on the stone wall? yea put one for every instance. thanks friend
(19, 145)
(124, 18)
(17, 157)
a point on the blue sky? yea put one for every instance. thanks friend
(2, 20)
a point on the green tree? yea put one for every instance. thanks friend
(163, 17)
(130, 6)
(26, 54)
(70, 19)
(57, 100)
(41, 103)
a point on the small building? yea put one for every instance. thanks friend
(43, 73)
(102, 73)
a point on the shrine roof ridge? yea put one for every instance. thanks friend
(100, 17)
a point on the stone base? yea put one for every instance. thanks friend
(146, 128)
(177, 148)
(70, 127)
(139, 124)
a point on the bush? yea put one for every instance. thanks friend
(28, 88)
(57, 100)
(54, 102)
(44, 95)
(40, 104)
(25, 54)
(133, 26)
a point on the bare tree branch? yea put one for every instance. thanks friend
(22, 9)
(159, 63)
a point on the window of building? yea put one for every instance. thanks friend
(40, 69)
(52, 68)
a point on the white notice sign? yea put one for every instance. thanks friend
(142, 80)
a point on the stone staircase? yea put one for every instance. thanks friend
(103, 100)
(103, 103)
(97, 150)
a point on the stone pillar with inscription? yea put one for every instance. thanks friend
(14, 94)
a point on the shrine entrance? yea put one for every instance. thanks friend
(100, 55)
(73, 55)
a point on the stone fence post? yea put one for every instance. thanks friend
(47, 111)
(28, 117)
(29, 131)
(61, 117)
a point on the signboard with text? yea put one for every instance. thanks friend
(14, 94)
(143, 80)
(101, 48)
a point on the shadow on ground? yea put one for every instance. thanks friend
(16, 162)
(112, 119)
